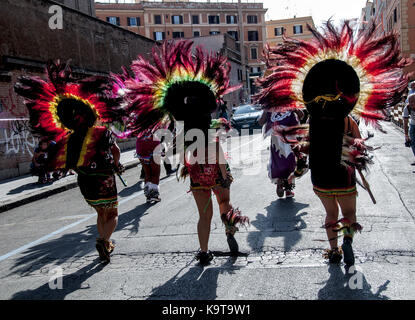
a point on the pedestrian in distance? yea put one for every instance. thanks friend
(146, 149)
(409, 119)
(39, 162)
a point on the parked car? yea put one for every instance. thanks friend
(246, 117)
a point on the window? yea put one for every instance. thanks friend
(279, 31)
(298, 29)
(196, 34)
(132, 22)
(195, 19)
(214, 20)
(239, 75)
(234, 34)
(255, 70)
(157, 19)
(252, 19)
(177, 19)
(214, 32)
(114, 20)
(253, 36)
(395, 15)
(231, 20)
(178, 34)
(254, 53)
(159, 36)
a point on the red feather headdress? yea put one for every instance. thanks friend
(376, 62)
(60, 97)
(46, 99)
(156, 92)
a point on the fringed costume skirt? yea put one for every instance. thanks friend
(99, 189)
(340, 182)
(205, 177)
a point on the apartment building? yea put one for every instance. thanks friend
(393, 16)
(245, 21)
(293, 28)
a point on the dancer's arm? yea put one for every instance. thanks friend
(220, 158)
(355, 129)
(116, 153)
(263, 118)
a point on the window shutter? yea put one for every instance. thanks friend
(138, 21)
(118, 21)
(181, 19)
(128, 21)
(108, 19)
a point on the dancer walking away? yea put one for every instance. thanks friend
(333, 75)
(150, 162)
(282, 163)
(185, 87)
(67, 111)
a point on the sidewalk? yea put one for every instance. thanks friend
(22, 190)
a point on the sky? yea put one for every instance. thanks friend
(320, 10)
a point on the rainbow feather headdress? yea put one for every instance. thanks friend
(47, 99)
(376, 62)
(60, 96)
(155, 94)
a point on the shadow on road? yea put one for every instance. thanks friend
(197, 283)
(281, 220)
(70, 283)
(72, 245)
(29, 186)
(353, 286)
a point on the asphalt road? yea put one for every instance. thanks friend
(280, 251)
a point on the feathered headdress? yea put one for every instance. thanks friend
(362, 74)
(52, 101)
(179, 85)
(60, 106)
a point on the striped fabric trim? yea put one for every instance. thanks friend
(109, 202)
(340, 192)
(205, 188)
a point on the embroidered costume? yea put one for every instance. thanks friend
(333, 75)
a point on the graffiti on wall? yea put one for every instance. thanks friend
(15, 135)
(18, 139)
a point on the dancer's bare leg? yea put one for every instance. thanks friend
(205, 209)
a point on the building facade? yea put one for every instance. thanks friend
(189, 19)
(293, 28)
(85, 6)
(227, 46)
(393, 16)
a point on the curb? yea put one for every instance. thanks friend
(47, 193)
